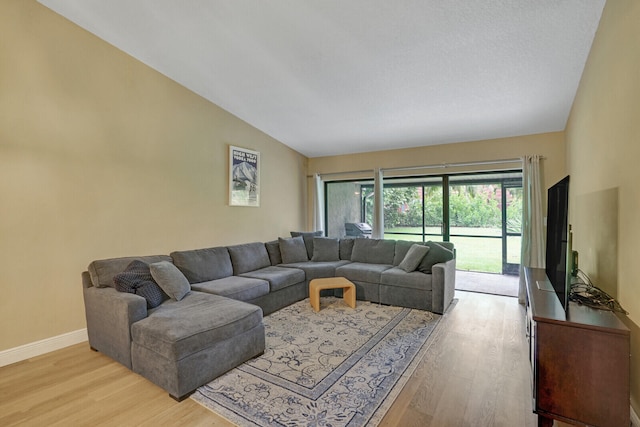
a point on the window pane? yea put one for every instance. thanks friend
(514, 210)
(403, 213)
(478, 254)
(513, 249)
(433, 211)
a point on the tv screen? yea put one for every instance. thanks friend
(558, 239)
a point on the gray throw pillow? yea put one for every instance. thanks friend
(170, 279)
(325, 249)
(436, 254)
(137, 279)
(308, 236)
(293, 250)
(414, 256)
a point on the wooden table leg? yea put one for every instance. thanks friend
(314, 298)
(349, 296)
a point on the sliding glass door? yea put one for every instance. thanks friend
(480, 213)
(480, 206)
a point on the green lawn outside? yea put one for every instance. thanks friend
(472, 253)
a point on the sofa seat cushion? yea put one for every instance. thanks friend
(177, 329)
(400, 278)
(236, 287)
(362, 271)
(278, 277)
(316, 270)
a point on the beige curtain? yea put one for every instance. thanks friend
(533, 235)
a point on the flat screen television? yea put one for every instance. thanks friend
(559, 253)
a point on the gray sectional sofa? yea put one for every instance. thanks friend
(181, 320)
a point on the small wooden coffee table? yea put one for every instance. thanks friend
(316, 285)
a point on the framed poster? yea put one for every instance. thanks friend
(244, 177)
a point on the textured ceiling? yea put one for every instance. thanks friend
(332, 77)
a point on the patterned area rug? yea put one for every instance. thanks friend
(338, 367)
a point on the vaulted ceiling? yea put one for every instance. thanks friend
(330, 77)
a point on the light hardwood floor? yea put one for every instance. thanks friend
(476, 373)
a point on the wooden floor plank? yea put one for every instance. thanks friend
(475, 373)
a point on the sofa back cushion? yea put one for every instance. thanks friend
(203, 265)
(346, 249)
(103, 270)
(293, 249)
(373, 251)
(273, 249)
(248, 257)
(326, 249)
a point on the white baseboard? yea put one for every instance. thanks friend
(635, 421)
(37, 348)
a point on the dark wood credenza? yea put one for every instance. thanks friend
(579, 360)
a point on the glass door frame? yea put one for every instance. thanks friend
(507, 267)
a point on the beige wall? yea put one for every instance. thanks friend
(549, 145)
(100, 156)
(603, 151)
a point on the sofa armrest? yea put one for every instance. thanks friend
(109, 315)
(443, 285)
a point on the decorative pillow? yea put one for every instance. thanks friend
(436, 254)
(293, 250)
(308, 239)
(170, 279)
(414, 256)
(137, 279)
(326, 249)
(103, 270)
(402, 247)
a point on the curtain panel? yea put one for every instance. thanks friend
(533, 244)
